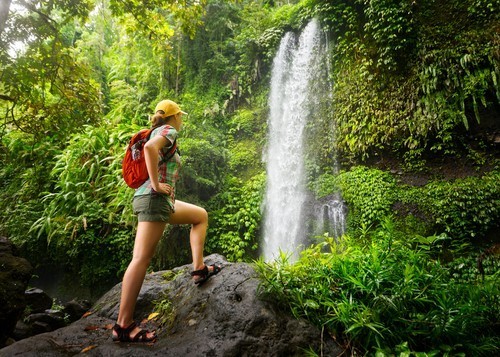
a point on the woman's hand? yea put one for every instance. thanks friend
(164, 188)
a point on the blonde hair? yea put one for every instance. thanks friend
(159, 119)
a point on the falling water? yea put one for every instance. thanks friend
(291, 100)
(329, 216)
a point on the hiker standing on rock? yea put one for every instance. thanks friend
(155, 205)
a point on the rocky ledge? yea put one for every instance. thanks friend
(15, 273)
(224, 317)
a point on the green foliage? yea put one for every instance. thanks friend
(156, 18)
(166, 313)
(243, 155)
(457, 73)
(203, 163)
(464, 269)
(87, 218)
(26, 164)
(235, 223)
(45, 88)
(464, 208)
(455, 82)
(391, 26)
(369, 113)
(408, 78)
(209, 56)
(244, 123)
(245, 140)
(130, 72)
(325, 185)
(369, 194)
(50, 102)
(387, 294)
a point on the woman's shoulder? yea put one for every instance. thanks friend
(166, 130)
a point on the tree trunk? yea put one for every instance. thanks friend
(178, 65)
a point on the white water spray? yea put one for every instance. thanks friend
(294, 69)
(329, 216)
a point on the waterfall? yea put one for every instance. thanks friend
(329, 214)
(292, 99)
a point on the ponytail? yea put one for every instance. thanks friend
(159, 119)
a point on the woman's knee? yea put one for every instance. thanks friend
(140, 261)
(204, 215)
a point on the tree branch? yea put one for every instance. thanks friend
(6, 97)
(47, 19)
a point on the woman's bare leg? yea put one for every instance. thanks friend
(186, 213)
(147, 237)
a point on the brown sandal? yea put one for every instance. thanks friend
(204, 273)
(123, 334)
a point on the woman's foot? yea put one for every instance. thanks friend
(202, 275)
(132, 333)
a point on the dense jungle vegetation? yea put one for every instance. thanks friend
(416, 118)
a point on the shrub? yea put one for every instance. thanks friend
(464, 208)
(386, 295)
(235, 224)
(25, 166)
(369, 194)
(87, 219)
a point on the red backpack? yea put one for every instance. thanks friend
(134, 170)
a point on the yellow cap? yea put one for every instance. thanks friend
(169, 108)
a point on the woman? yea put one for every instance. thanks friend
(155, 205)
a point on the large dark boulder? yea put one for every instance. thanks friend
(15, 272)
(37, 300)
(75, 309)
(224, 317)
(39, 319)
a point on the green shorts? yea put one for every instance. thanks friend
(152, 207)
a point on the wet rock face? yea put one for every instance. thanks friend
(15, 273)
(37, 300)
(75, 309)
(40, 320)
(224, 317)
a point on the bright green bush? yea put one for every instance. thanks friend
(369, 114)
(26, 164)
(408, 77)
(369, 194)
(203, 165)
(387, 295)
(87, 220)
(245, 144)
(244, 155)
(464, 208)
(243, 123)
(325, 185)
(235, 224)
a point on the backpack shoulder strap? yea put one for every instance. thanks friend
(173, 149)
(171, 152)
